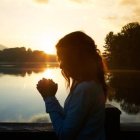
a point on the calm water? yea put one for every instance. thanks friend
(21, 102)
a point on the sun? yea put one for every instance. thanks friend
(48, 45)
(47, 42)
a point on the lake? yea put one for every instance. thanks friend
(21, 102)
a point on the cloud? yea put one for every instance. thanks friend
(126, 11)
(128, 2)
(80, 1)
(61, 1)
(125, 118)
(137, 11)
(42, 1)
(136, 15)
(40, 118)
(111, 18)
(134, 6)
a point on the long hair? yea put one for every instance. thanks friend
(80, 59)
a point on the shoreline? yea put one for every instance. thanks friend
(47, 127)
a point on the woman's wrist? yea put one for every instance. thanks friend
(49, 98)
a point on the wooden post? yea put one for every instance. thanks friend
(112, 122)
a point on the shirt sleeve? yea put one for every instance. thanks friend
(68, 126)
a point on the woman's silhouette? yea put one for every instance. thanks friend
(82, 117)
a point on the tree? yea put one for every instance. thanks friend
(122, 50)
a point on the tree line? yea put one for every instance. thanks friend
(21, 54)
(122, 50)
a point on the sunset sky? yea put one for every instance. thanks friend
(39, 24)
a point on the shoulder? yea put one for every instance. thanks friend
(87, 86)
(90, 88)
(86, 93)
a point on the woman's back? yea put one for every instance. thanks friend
(87, 102)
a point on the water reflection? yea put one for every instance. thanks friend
(126, 86)
(19, 98)
(22, 70)
(21, 102)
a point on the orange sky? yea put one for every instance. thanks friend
(39, 24)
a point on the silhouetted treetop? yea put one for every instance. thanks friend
(131, 27)
(122, 50)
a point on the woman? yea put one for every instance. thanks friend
(82, 117)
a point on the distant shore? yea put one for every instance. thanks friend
(27, 64)
(7, 65)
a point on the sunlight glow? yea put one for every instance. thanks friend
(47, 44)
(48, 74)
(39, 24)
(46, 41)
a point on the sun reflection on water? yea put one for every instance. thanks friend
(48, 74)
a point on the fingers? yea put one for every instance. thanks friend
(46, 83)
(45, 80)
(47, 87)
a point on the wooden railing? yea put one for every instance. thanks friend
(114, 130)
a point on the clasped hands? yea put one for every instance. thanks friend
(47, 87)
